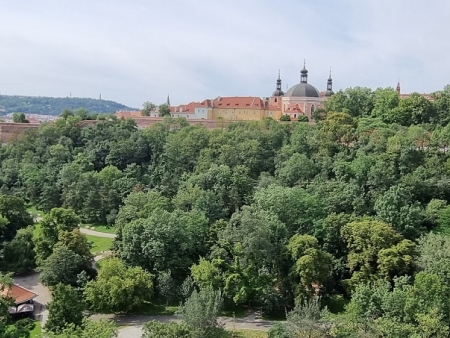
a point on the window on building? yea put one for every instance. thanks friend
(312, 109)
(295, 115)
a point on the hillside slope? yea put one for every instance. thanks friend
(55, 105)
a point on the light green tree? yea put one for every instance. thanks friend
(119, 288)
(200, 312)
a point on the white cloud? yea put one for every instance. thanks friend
(140, 50)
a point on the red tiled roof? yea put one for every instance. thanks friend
(238, 102)
(18, 293)
(294, 108)
(271, 107)
(190, 107)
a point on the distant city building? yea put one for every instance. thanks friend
(302, 99)
(405, 96)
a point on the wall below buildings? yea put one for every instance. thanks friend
(10, 131)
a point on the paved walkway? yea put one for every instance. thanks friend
(84, 230)
(31, 282)
(131, 326)
(96, 233)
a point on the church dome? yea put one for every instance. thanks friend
(302, 90)
(278, 92)
(329, 93)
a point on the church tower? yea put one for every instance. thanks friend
(329, 91)
(304, 73)
(275, 100)
(278, 91)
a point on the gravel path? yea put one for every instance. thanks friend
(96, 233)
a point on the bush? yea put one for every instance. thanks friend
(200, 312)
(156, 329)
(303, 118)
(285, 117)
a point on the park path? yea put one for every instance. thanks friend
(131, 325)
(96, 233)
(31, 282)
(84, 230)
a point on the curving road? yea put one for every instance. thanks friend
(96, 233)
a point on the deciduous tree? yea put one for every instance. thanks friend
(119, 288)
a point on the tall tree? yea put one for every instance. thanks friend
(147, 108)
(65, 308)
(163, 110)
(13, 209)
(375, 248)
(57, 220)
(19, 255)
(200, 313)
(19, 118)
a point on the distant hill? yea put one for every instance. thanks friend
(55, 105)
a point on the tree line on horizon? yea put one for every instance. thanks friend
(55, 105)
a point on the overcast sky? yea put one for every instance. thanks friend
(133, 51)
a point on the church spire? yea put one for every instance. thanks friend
(278, 91)
(304, 73)
(329, 91)
(279, 81)
(168, 100)
(398, 87)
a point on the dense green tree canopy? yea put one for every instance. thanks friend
(273, 214)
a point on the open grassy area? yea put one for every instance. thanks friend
(33, 211)
(36, 332)
(152, 309)
(244, 334)
(237, 312)
(99, 243)
(99, 227)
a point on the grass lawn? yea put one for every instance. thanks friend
(33, 211)
(99, 243)
(99, 228)
(237, 312)
(36, 332)
(151, 309)
(244, 334)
